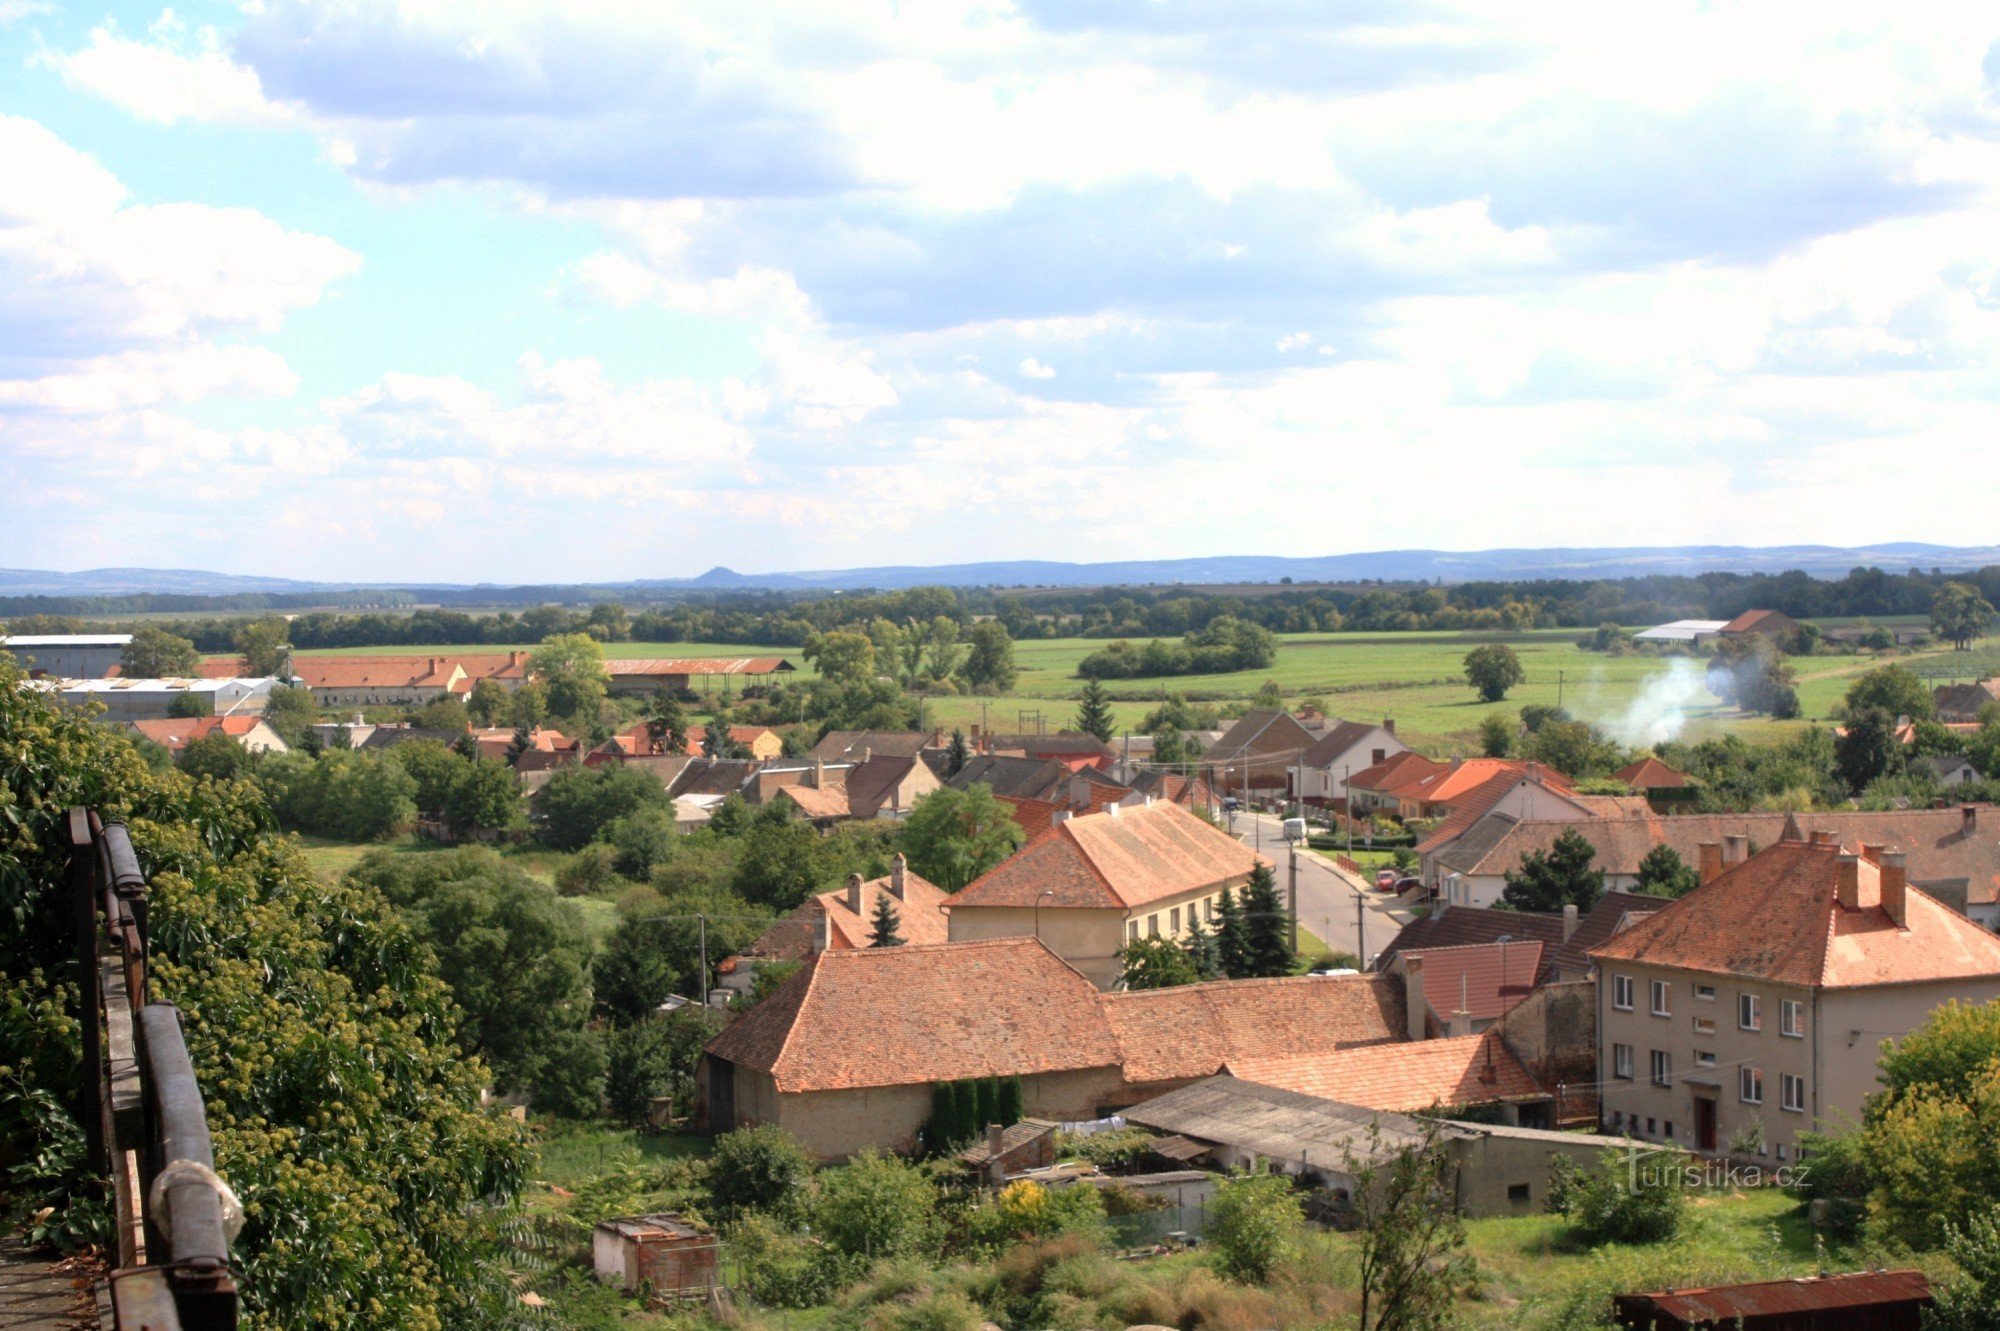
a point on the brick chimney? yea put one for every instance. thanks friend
(1570, 921)
(995, 1135)
(1711, 860)
(1415, 1024)
(819, 774)
(1735, 850)
(1459, 1025)
(1847, 881)
(1896, 888)
(1968, 818)
(1872, 852)
(1388, 724)
(854, 892)
(898, 867)
(824, 943)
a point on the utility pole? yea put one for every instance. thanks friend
(1361, 930)
(1293, 895)
(1559, 690)
(1347, 804)
(704, 958)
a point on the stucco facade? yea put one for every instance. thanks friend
(1090, 939)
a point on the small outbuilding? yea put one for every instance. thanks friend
(666, 1256)
(1857, 1301)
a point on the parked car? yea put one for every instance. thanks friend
(1385, 879)
(1295, 830)
(1402, 885)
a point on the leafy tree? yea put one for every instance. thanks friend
(1409, 1235)
(1563, 876)
(1171, 747)
(570, 667)
(841, 658)
(1202, 951)
(489, 703)
(717, 742)
(1749, 672)
(579, 802)
(1496, 736)
(188, 704)
(989, 658)
(1575, 748)
(1492, 670)
(486, 795)
(1930, 1155)
(590, 871)
(783, 860)
(341, 793)
(433, 767)
(1616, 1203)
(1662, 873)
(956, 755)
(1867, 748)
(953, 836)
(759, 1169)
(565, 1074)
(651, 1059)
(675, 929)
(1894, 689)
(446, 713)
(1947, 1055)
(291, 712)
(1535, 715)
(882, 931)
(528, 706)
(1093, 715)
(1267, 945)
(878, 1206)
(942, 652)
(643, 838)
(666, 722)
(1255, 1224)
(1155, 963)
(1970, 1300)
(1959, 614)
(263, 643)
(1232, 944)
(157, 654)
(216, 756)
(632, 977)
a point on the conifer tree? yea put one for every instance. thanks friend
(1010, 1110)
(1093, 717)
(1266, 926)
(1232, 948)
(1202, 952)
(883, 931)
(519, 745)
(957, 755)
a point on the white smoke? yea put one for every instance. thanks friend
(1660, 711)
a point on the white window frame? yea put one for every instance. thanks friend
(1623, 992)
(1749, 1012)
(1662, 998)
(1704, 993)
(1661, 1066)
(1750, 1085)
(1792, 1093)
(1623, 1065)
(1792, 1019)
(1704, 1058)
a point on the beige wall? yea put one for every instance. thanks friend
(1493, 1166)
(1855, 1022)
(1089, 939)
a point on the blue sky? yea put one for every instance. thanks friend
(533, 291)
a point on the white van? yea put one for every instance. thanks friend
(1295, 830)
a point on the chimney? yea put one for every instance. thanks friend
(1570, 921)
(819, 774)
(1896, 888)
(897, 868)
(1848, 881)
(1378, 757)
(1112, 809)
(1416, 1005)
(1535, 772)
(824, 943)
(1711, 860)
(1968, 818)
(1388, 724)
(1459, 1025)
(1823, 837)
(995, 1134)
(854, 892)
(1735, 849)
(1059, 817)
(1872, 852)
(360, 720)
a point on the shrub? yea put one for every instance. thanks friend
(759, 1169)
(588, 872)
(1254, 1223)
(782, 1268)
(1617, 1203)
(1026, 1209)
(878, 1206)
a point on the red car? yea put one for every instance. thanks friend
(1385, 880)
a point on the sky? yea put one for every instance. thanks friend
(550, 292)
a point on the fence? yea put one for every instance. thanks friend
(144, 1122)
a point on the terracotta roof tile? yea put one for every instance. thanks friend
(1127, 857)
(921, 923)
(1036, 817)
(1484, 979)
(1402, 1078)
(1649, 773)
(813, 802)
(1395, 772)
(1458, 926)
(1195, 1029)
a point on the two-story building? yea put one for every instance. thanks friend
(1754, 1009)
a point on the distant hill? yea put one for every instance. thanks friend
(1823, 561)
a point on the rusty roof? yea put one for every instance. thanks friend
(696, 665)
(1720, 1305)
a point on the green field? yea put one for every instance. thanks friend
(1413, 677)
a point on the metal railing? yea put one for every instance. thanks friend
(145, 1124)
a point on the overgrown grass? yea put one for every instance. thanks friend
(574, 1153)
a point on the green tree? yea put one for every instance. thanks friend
(1093, 715)
(1959, 614)
(1894, 689)
(263, 644)
(876, 1206)
(489, 703)
(957, 755)
(1619, 1203)
(1267, 925)
(1563, 876)
(1575, 748)
(565, 1074)
(188, 705)
(579, 802)
(643, 838)
(882, 931)
(157, 654)
(666, 722)
(291, 712)
(341, 793)
(1496, 736)
(1749, 672)
(632, 977)
(1155, 963)
(841, 657)
(570, 667)
(760, 1168)
(1867, 748)
(650, 1060)
(1255, 1224)
(782, 860)
(942, 652)
(1202, 951)
(528, 706)
(989, 658)
(953, 836)
(485, 797)
(433, 767)
(1970, 1299)
(1232, 944)
(1948, 1055)
(1931, 1158)
(1492, 670)
(216, 756)
(1410, 1237)
(446, 713)
(1662, 873)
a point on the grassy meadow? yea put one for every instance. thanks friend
(1415, 678)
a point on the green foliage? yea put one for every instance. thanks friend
(1232, 941)
(1959, 614)
(1950, 1054)
(570, 668)
(215, 756)
(566, 1075)
(1749, 671)
(1867, 748)
(1226, 644)
(783, 1269)
(262, 643)
(433, 767)
(1027, 1211)
(877, 1206)
(632, 976)
(882, 929)
(1894, 689)
(1492, 670)
(759, 1168)
(291, 712)
(1254, 1224)
(643, 838)
(154, 653)
(1411, 1239)
(189, 705)
(489, 703)
(1970, 1300)
(580, 802)
(1575, 748)
(485, 796)
(1496, 736)
(592, 870)
(989, 658)
(348, 795)
(841, 658)
(651, 1059)
(1203, 953)
(670, 930)
(1267, 946)
(1156, 963)
(1662, 873)
(1837, 1177)
(1093, 715)
(953, 836)
(1564, 876)
(1621, 1201)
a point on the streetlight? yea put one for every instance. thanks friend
(1046, 892)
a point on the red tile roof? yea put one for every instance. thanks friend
(1477, 801)
(1119, 859)
(1194, 1030)
(1465, 775)
(375, 672)
(1395, 772)
(178, 732)
(1484, 979)
(1649, 773)
(920, 922)
(1776, 916)
(1402, 1078)
(815, 802)
(629, 666)
(1749, 620)
(898, 1016)
(1036, 817)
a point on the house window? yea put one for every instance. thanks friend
(1517, 1192)
(1704, 1025)
(1152, 926)
(1621, 1061)
(1659, 998)
(1704, 1058)
(1750, 1085)
(1794, 1091)
(1621, 992)
(1705, 992)
(1663, 1067)
(1650, 1129)
(1749, 1012)
(1667, 1129)
(1131, 931)
(1174, 920)
(1792, 1018)
(1208, 908)
(1781, 1150)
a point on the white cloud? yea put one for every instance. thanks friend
(1034, 369)
(181, 74)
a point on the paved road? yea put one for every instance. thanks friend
(1327, 896)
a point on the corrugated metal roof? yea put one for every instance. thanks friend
(700, 665)
(1722, 1304)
